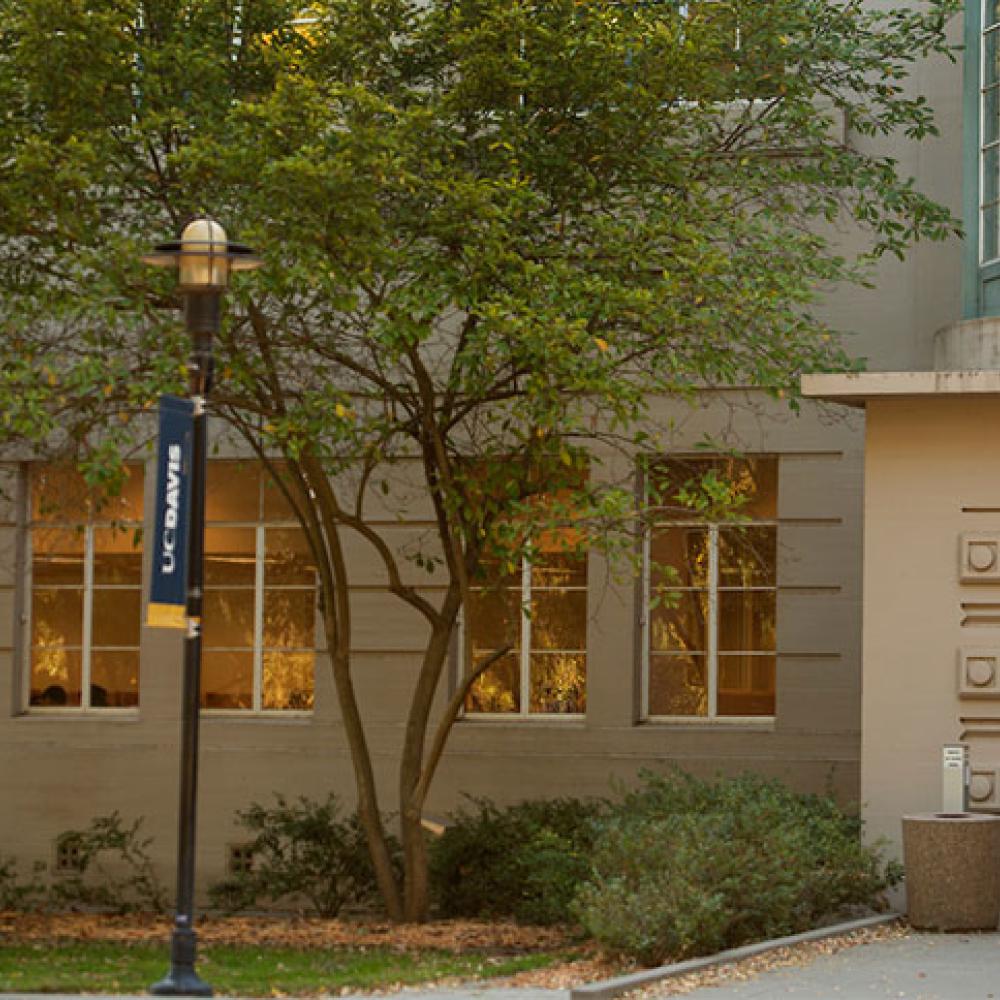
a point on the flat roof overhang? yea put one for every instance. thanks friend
(856, 389)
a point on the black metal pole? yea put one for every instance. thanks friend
(202, 314)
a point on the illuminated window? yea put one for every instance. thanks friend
(86, 592)
(259, 621)
(540, 610)
(711, 593)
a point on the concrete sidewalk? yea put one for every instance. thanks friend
(915, 967)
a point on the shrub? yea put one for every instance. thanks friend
(302, 851)
(112, 869)
(526, 861)
(15, 894)
(686, 867)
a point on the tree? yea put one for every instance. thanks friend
(492, 231)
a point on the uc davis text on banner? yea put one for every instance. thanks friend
(168, 593)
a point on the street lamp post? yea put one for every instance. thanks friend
(204, 259)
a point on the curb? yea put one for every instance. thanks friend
(607, 988)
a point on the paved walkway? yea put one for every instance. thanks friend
(916, 967)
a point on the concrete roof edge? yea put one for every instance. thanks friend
(855, 389)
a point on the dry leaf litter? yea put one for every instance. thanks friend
(497, 939)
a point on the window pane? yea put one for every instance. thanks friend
(289, 619)
(114, 679)
(117, 556)
(678, 685)
(683, 550)
(559, 619)
(559, 683)
(127, 506)
(682, 627)
(498, 689)
(748, 556)
(233, 491)
(55, 677)
(991, 12)
(116, 617)
(288, 557)
(230, 556)
(991, 175)
(276, 507)
(58, 493)
(492, 619)
(746, 620)
(554, 570)
(57, 556)
(746, 685)
(753, 483)
(226, 680)
(991, 115)
(991, 222)
(288, 681)
(228, 618)
(990, 53)
(56, 617)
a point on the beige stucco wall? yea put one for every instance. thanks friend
(932, 476)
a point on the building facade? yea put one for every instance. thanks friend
(758, 666)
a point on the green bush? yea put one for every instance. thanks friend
(686, 867)
(526, 861)
(112, 869)
(18, 895)
(302, 851)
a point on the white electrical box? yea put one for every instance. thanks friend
(955, 775)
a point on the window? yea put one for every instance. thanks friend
(86, 592)
(540, 609)
(259, 622)
(982, 158)
(711, 592)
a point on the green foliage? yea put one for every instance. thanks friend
(525, 861)
(112, 869)
(302, 851)
(16, 894)
(687, 867)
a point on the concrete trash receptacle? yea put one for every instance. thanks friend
(952, 871)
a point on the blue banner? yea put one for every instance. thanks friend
(168, 593)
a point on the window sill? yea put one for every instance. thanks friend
(80, 714)
(759, 723)
(246, 715)
(535, 719)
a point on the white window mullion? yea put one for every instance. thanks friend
(88, 614)
(712, 652)
(258, 622)
(525, 637)
(644, 637)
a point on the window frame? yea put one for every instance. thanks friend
(260, 527)
(980, 277)
(712, 590)
(87, 528)
(524, 713)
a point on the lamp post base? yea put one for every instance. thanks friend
(181, 980)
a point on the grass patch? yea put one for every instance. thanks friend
(104, 967)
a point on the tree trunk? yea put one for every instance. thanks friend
(416, 879)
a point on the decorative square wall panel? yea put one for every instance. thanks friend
(979, 673)
(979, 558)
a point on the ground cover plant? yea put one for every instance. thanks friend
(686, 867)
